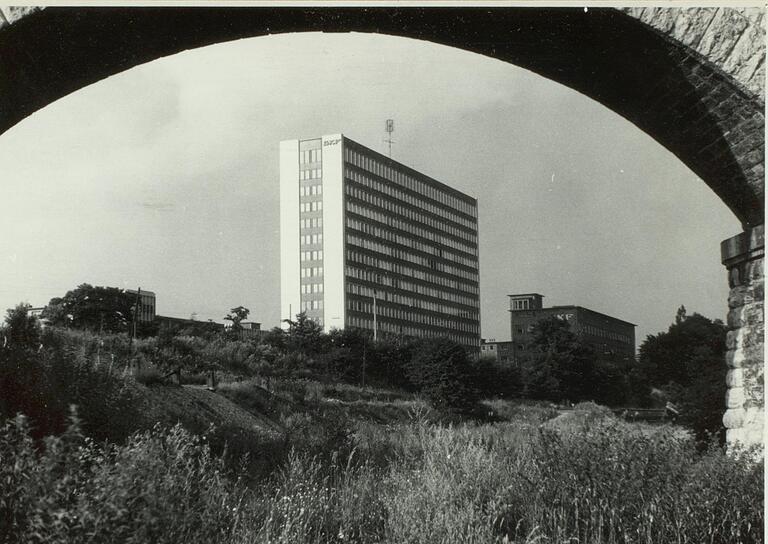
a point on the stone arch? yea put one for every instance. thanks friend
(690, 78)
(691, 81)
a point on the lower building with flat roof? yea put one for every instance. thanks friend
(607, 335)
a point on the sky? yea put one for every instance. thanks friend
(165, 177)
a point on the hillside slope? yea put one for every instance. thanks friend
(197, 409)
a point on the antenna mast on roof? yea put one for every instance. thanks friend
(390, 128)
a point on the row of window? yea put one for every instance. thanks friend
(469, 340)
(315, 315)
(311, 305)
(523, 304)
(375, 276)
(432, 264)
(312, 272)
(395, 238)
(312, 173)
(409, 182)
(372, 228)
(315, 255)
(311, 155)
(412, 302)
(311, 239)
(311, 206)
(310, 190)
(386, 280)
(311, 288)
(410, 214)
(311, 223)
(602, 333)
(369, 213)
(393, 235)
(414, 200)
(393, 312)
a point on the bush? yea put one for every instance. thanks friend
(163, 486)
(600, 481)
(149, 375)
(441, 371)
(43, 384)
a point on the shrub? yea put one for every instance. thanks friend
(149, 375)
(43, 384)
(441, 371)
(162, 486)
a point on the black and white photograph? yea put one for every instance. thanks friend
(382, 272)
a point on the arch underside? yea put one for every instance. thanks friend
(688, 105)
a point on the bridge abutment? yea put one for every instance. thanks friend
(743, 256)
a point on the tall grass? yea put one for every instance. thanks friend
(603, 482)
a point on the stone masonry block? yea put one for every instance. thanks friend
(753, 417)
(735, 377)
(734, 418)
(755, 269)
(16, 13)
(756, 83)
(734, 358)
(753, 315)
(748, 53)
(739, 296)
(734, 397)
(735, 436)
(690, 24)
(753, 435)
(721, 35)
(736, 318)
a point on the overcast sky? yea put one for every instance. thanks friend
(166, 177)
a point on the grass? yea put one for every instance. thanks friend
(599, 481)
(347, 464)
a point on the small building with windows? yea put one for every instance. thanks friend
(146, 311)
(501, 352)
(368, 242)
(606, 334)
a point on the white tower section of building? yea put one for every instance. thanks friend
(333, 231)
(290, 300)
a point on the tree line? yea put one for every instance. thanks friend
(684, 365)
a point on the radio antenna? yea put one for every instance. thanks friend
(390, 128)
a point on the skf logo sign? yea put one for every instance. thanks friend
(326, 143)
(565, 317)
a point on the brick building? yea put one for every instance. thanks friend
(606, 334)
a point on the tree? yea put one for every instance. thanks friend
(561, 367)
(237, 316)
(441, 370)
(21, 330)
(56, 313)
(106, 309)
(687, 363)
(304, 336)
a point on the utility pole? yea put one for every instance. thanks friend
(365, 342)
(135, 311)
(375, 324)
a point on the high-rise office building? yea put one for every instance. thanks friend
(368, 242)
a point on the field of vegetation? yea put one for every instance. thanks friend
(321, 461)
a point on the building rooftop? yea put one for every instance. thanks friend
(388, 160)
(572, 307)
